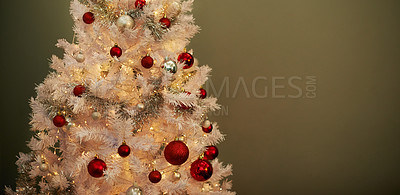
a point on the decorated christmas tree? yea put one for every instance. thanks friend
(124, 111)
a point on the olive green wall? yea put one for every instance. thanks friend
(343, 141)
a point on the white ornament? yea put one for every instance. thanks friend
(43, 167)
(79, 57)
(206, 124)
(174, 9)
(125, 21)
(96, 115)
(140, 106)
(133, 190)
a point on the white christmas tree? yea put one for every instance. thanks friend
(124, 111)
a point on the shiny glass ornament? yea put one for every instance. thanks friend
(170, 66)
(59, 121)
(133, 190)
(201, 170)
(96, 167)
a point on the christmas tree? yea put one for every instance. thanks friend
(124, 111)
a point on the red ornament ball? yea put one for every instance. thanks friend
(59, 121)
(124, 150)
(116, 51)
(88, 17)
(140, 3)
(203, 93)
(186, 58)
(176, 152)
(147, 62)
(165, 22)
(155, 176)
(79, 90)
(201, 170)
(96, 167)
(211, 153)
(208, 129)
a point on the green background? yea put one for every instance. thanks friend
(344, 141)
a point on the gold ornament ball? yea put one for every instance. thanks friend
(133, 190)
(43, 167)
(176, 175)
(96, 115)
(124, 22)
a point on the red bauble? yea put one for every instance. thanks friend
(203, 93)
(165, 22)
(155, 176)
(59, 121)
(96, 167)
(124, 150)
(201, 170)
(147, 62)
(186, 58)
(116, 51)
(79, 90)
(140, 3)
(176, 152)
(88, 17)
(211, 153)
(208, 129)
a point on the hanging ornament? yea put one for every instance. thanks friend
(147, 61)
(186, 58)
(140, 3)
(165, 22)
(79, 57)
(133, 190)
(174, 9)
(59, 120)
(203, 93)
(169, 65)
(176, 175)
(176, 152)
(124, 150)
(125, 22)
(88, 17)
(207, 126)
(140, 106)
(116, 51)
(79, 90)
(43, 167)
(201, 170)
(155, 176)
(96, 115)
(211, 153)
(96, 167)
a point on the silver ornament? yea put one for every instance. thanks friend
(133, 190)
(124, 22)
(206, 124)
(79, 57)
(140, 106)
(174, 9)
(96, 115)
(169, 65)
(43, 167)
